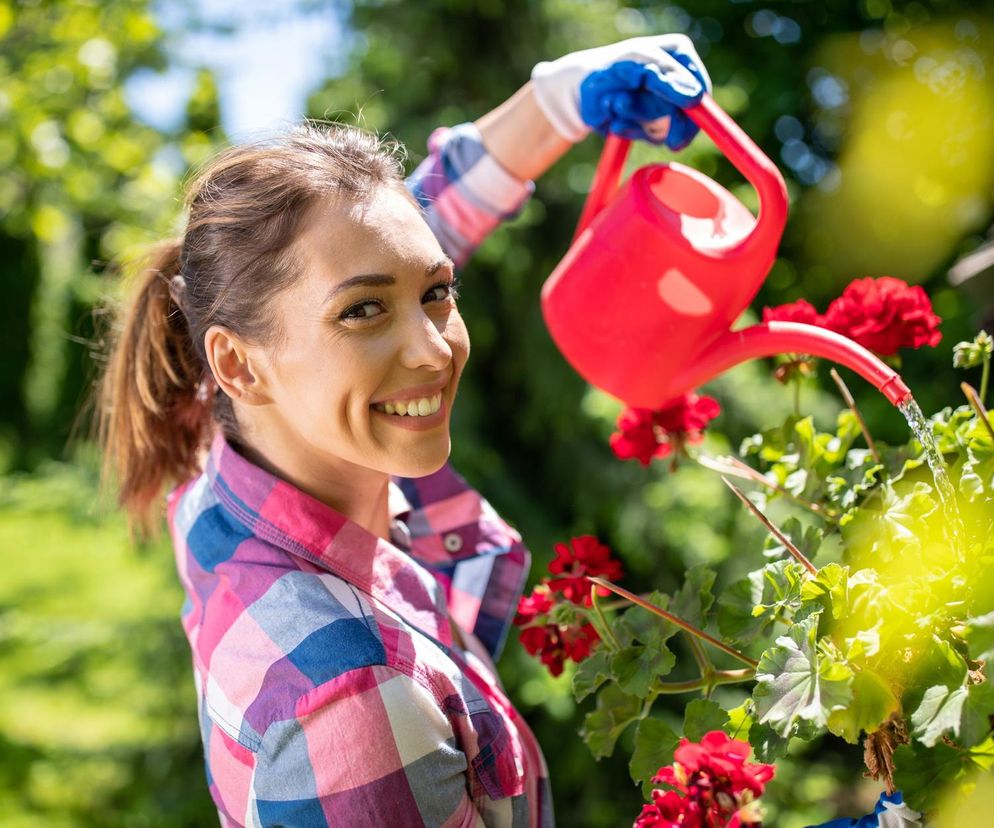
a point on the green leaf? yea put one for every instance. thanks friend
(749, 608)
(872, 704)
(635, 668)
(694, 599)
(925, 774)
(614, 712)
(806, 538)
(702, 716)
(591, 673)
(891, 529)
(795, 681)
(767, 744)
(980, 636)
(638, 624)
(655, 742)
(830, 589)
(940, 712)
(938, 664)
(975, 726)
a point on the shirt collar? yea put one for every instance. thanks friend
(281, 514)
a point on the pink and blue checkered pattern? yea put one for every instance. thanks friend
(331, 691)
(464, 192)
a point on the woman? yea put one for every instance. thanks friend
(291, 363)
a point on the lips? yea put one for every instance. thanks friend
(413, 392)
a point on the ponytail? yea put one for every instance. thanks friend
(154, 412)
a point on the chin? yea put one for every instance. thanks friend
(421, 466)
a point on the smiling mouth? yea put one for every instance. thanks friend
(420, 407)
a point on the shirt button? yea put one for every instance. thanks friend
(452, 542)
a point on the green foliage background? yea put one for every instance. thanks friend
(880, 114)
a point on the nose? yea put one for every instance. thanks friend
(424, 344)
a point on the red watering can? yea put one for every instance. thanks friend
(643, 302)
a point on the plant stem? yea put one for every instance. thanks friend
(848, 397)
(673, 619)
(978, 406)
(984, 376)
(719, 677)
(734, 466)
(700, 656)
(612, 642)
(797, 395)
(780, 536)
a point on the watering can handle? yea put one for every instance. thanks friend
(728, 136)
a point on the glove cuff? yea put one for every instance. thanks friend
(557, 92)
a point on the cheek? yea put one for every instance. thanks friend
(457, 335)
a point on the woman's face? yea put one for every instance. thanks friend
(371, 321)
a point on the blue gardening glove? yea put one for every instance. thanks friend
(637, 88)
(891, 812)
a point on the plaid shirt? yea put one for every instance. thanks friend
(330, 689)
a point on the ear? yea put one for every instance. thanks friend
(236, 365)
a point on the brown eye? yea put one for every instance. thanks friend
(451, 289)
(357, 311)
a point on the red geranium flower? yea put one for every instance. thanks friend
(647, 433)
(552, 643)
(669, 810)
(884, 315)
(583, 556)
(714, 786)
(800, 311)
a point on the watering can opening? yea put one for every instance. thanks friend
(703, 212)
(682, 193)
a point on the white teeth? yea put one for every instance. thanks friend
(413, 408)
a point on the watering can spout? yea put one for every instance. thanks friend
(772, 338)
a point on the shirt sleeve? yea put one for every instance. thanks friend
(464, 192)
(479, 558)
(371, 748)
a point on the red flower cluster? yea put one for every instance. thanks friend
(543, 636)
(647, 433)
(800, 311)
(552, 643)
(883, 315)
(714, 786)
(584, 556)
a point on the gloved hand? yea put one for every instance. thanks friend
(624, 86)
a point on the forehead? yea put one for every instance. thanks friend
(377, 234)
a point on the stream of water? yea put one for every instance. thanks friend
(943, 486)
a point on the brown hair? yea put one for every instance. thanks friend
(157, 399)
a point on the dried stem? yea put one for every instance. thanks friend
(978, 406)
(673, 619)
(848, 397)
(733, 466)
(780, 536)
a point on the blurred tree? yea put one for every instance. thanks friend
(83, 182)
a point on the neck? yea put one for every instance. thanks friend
(360, 494)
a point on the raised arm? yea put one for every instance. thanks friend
(479, 174)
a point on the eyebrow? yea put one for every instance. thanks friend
(381, 279)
